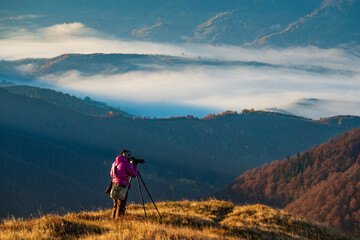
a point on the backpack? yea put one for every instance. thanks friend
(118, 191)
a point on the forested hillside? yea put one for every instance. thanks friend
(54, 157)
(322, 183)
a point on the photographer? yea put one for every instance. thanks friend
(120, 171)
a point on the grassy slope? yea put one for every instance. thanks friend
(181, 220)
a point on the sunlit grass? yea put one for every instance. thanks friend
(180, 220)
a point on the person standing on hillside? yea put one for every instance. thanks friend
(120, 172)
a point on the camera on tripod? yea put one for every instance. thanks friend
(134, 161)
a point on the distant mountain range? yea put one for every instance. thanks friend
(51, 151)
(319, 108)
(50, 70)
(107, 64)
(321, 183)
(31, 69)
(323, 23)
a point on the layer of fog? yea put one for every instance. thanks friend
(200, 87)
(217, 88)
(318, 108)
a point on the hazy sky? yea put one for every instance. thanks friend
(302, 72)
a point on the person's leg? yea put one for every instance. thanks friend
(113, 213)
(118, 210)
(122, 204)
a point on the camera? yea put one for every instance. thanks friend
(136, 161)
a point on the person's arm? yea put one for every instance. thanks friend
(111, 170)
(131, 170)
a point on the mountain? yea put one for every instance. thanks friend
(180, 220)
(318, 108)
(323, 23)
(321, 183)
(103, 65)
(107, 64)
(86, 105)
(59, 158)
(115, 79)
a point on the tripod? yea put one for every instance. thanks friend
(141, 196)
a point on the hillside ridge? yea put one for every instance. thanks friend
(321, 183)
(182, 155)
(211, 219)
(86, 106)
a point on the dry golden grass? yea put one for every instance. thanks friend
(180, 220)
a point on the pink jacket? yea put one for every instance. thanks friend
(124, 169)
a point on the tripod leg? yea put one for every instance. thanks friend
(142, 199)
(139, 175)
